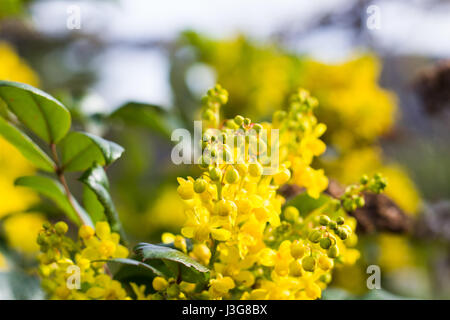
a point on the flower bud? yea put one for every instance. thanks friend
(282, 176)
(298, 250)
(255, 169)
(325, 263)
(200, 185)
(333, 252)
(295, 268)
(349, 205)
(61, 228)
(180, 243)
(325, 278)
(231, 176)
(364, 179)
(291, 213)
(231, 124)
(47, 225)
(342, 233)
(332, 225)
(215, 174)
(309, 264)
(242, 169)
(86, 232)
(239, 120)
(257, 127)
(324, 220)
(173, 291)
(209, 115)
(325, 243)
(159, 283)
(314, 236)
(360, 202)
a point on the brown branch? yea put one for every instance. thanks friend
(62, 179)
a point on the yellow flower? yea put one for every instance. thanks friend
(139, 291)
(21, 231)
(59, 253)
(105, 288)
(220, 286)
(200, 225)
(3, 263)
(234, 220)
(105, 245)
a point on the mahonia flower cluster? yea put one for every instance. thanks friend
(234, 212)
(238, 224)
(61, 258)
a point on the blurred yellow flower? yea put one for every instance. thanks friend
(355, 109)
(395, 252)
(21, 231)
(3, 263)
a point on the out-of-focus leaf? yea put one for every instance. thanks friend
(336, 294)
(15, 285)
(80, 150)
(375, 294)
(55, 191)
(95, 179)
(92, 205)
(380, 294)
(145, 115)
(37, 110)
(26, 146)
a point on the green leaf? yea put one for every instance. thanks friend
(136, 263)
(80, 150)
(92, 205)
(111, 151)
(95, 179)
(55, 191)
(15, 285)
(26, 146)
(151, 251)
(130, 273)
(37, 110)
(149, 116)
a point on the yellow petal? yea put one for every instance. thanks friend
(121, 252)
(267, 257)
(188, 232)
(95, 293)
(103, 230)
(220, 234)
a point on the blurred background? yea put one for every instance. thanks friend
(134, 70)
